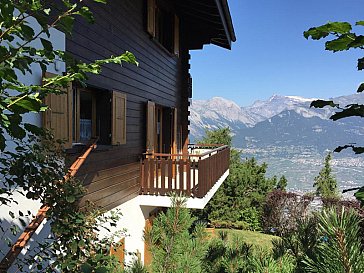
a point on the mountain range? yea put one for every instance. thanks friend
(278, 121)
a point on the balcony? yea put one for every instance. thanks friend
(197, 175)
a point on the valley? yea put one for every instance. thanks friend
(288, 135)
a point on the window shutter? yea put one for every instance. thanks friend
(150, 127)
(118, 134)
(175, 151)
(151, 17)
(59, 115)
(176, 35)
(119, 252)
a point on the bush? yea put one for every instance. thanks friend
(252, 217)
(229, 224)
(282, 210)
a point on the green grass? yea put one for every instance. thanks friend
(257, 239)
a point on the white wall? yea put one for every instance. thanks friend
(133, 222)
(59, 42)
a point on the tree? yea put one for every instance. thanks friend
(175, 244)
(33, 167)
(339, 249)
(342, 38)
(246, 186)
(282, 183)
(325, 183)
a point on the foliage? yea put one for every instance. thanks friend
(175, 245)
(136, 267)
(342, 38)
(18, 55)
(31, 161)
(252, 217)
(230, 253)
(229, 224)
(218, 136)
(281, 211)
(339, 248)
(282, 183)
(227, 256)
(325, 182)
(299, 243)
(266, 263)
(257, 239)
(246, 187)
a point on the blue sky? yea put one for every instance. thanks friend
(271, 56)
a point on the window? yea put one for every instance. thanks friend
(163, 25)
(82, 113)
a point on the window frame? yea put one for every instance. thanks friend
(153, 8)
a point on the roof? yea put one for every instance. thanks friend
(209, 22)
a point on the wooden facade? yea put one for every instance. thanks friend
(112, 172)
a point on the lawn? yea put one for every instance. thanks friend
(254, 238)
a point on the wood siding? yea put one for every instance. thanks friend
(121, 25)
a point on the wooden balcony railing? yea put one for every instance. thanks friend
(193, 174)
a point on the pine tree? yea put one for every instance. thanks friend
(325, 183)
(176, 245)
(282, 183)
(339, 249)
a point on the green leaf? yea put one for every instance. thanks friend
(87, 14)
(33, 128)
(358, 42)
(100, 1)
(47, 45)
(29, 104)
(339, 44)
(361, 64)
(360, 88)
(66, 24)
(323, 103)
(352, 110)
(359, 195)
(360, 23)
(27, 32)
(356, 149)
(2, 142)
(323, 31)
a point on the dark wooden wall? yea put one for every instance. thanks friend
(111, 173)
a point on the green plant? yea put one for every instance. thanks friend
(252, 217)
(325, 182)
(264, 262)
(175, 244)
(246, 186)
(32, 162)
(342, 38)
(227, 255)
(298, 243)
(339, 247)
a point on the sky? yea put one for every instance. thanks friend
(271, 56)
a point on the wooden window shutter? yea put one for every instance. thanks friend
(118, 133)
(150, 127)
(59, 115)
(119, 252)
(147, 252)
(175, 120)
(151, 17)
(176, 35)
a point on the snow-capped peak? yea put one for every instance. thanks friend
(301, 99)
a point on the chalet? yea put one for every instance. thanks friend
(140, 114)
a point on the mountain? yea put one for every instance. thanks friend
(278, 121)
